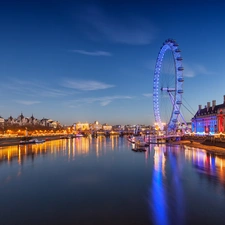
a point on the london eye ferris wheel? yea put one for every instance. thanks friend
(168, 86)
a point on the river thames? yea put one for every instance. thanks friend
(87, 181)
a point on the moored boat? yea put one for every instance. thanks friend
(79, 135)
(31, 141)
(131, 139)
(138, 149)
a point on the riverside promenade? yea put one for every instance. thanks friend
(210, 144)
(7, 141)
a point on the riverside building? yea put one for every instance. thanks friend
(21, 120)
(210, 119)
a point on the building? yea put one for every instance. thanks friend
(209, 119)
(2, 124)
(106, 127)
(10, 121)
(33, 120)
(53, 124)
(21, 120)
(2, 121)
(96, 126)
(81, 126)
(118, 128)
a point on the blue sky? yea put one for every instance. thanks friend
(94, 60)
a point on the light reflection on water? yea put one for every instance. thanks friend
(163, 208)
(102, 180)
(206, 163)
(72, 147)
(158, 203)
(167, 182)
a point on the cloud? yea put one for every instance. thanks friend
(96, 53)
(103, 101)
(129, 29)
(32, 88)
(202, 70)
(188, 71)
(54, 93)
(86, 85)
(148, 95)
(192, 70)
(24, 102)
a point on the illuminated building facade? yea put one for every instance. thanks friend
(210, 119)
(106, 127)
(81, 126)
(96, 126)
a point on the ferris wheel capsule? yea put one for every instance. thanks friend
(180, 68)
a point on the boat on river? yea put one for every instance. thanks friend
(131, 139)
(140, 142)
(31, 141)
(138, 149)
(79, 135)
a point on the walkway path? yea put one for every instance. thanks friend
(198, 144)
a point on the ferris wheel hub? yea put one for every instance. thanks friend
(168, 89)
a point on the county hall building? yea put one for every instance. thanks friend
(209, 119)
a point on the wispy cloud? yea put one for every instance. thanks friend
(131, 29)
(86, 85)
(203, 70)
(103, 101)
(148, 95)
(24, 102)
(95, 53)
(32, 88)
(192, 70)
(189, 71)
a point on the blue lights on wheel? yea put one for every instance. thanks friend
(175, 93)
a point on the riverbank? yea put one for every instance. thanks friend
(217, 148)
(16, 140)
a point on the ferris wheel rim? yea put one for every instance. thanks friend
(171, 45)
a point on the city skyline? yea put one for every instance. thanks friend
(73, 61)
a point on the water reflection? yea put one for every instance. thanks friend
(178, 206)
(158, 193)
(166, 191)
(21, 152)
(208, 165)
(70, 147)
(69, 178)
